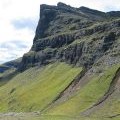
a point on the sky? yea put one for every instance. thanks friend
(19, 18)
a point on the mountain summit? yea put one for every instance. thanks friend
(72, 70)
(79, 36)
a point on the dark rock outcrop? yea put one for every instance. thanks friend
(79, 36)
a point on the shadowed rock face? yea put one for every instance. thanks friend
(79, 36)
(47, 14)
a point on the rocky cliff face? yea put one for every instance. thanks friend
(79, 36)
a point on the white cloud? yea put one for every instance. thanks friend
(10, 11)
(18, 10)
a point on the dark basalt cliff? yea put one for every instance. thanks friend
(78, 36)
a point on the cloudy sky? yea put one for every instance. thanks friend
(18, 20)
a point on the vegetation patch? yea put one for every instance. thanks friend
(36, 87)
(87, 96)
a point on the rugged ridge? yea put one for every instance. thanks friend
(75, 35)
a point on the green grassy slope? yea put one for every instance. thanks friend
(30, 116)
(111, 107)
(35, 88)
(85, 97)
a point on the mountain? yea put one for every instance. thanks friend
(72, 70)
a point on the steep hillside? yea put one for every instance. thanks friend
(36, 88)
(72, 70)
